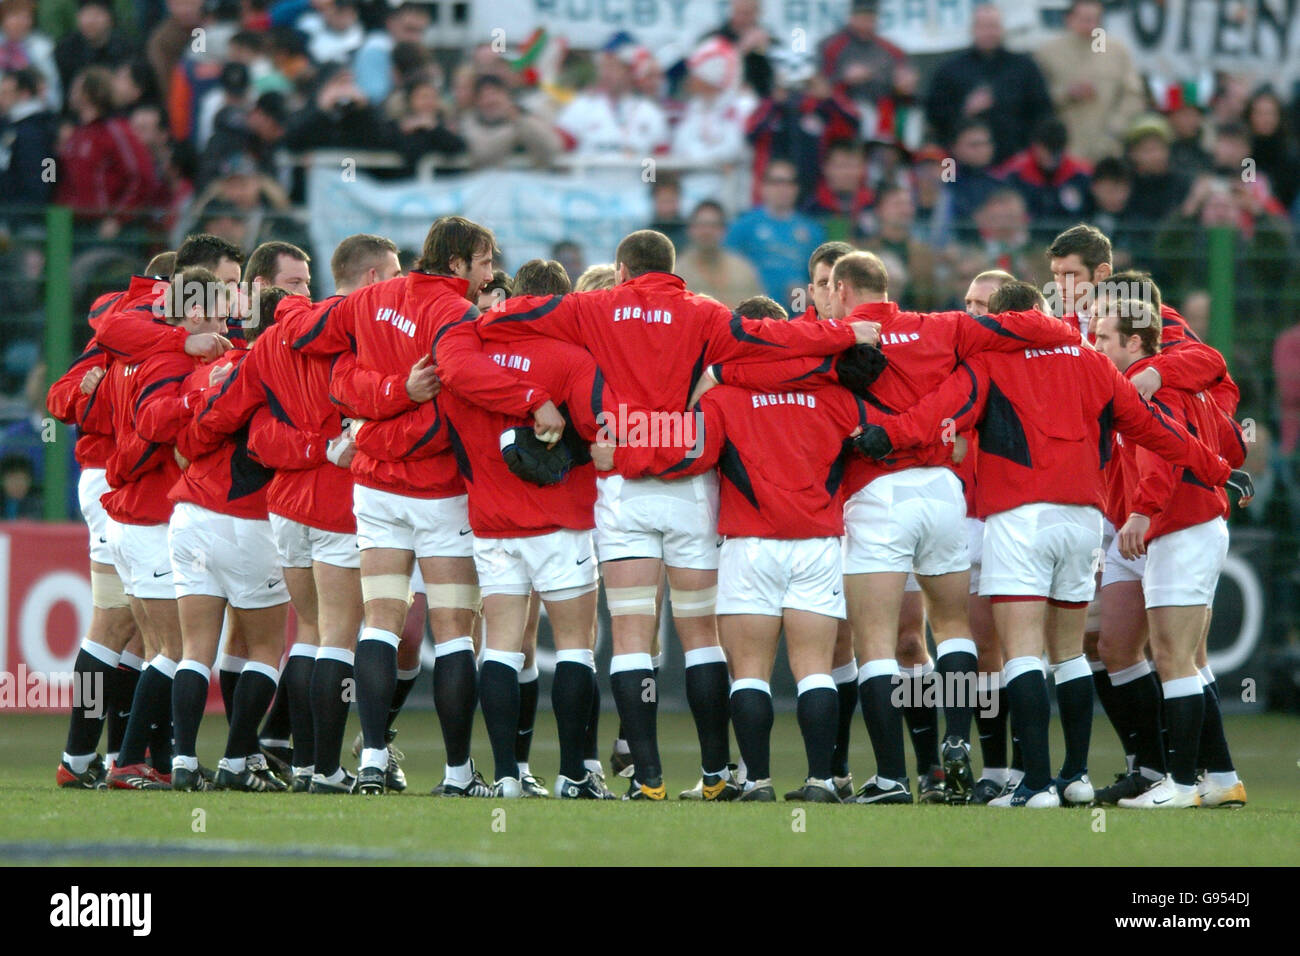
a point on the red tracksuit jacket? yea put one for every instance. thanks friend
(794, 494)
(1045, 421)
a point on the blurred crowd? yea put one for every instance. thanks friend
(153, 119)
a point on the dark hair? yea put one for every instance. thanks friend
(97, 87)
(706, 204)
(234, 78)
(862, 272)
(1016, 296)
(286, 41)
(17, 462)
(1051, 132)
(264, 260)
(1233, 129)
(249, 38)
(206, 250)
(966, 125)
(540, 277)
(484, 80)
(1134, 317)
(667, 181)
(267, 299)
(829, 253)
(1123, 285)
(1087, 242)
(28, 79)
(761, 307)
(356, 254)
(163, 264)
(645, 251)
(843, 145)
(1112, 168)
(179, 293)
(272, 104)
(453, 237)
(409, 59)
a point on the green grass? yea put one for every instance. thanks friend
(42, 825)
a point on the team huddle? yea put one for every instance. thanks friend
(459, 447)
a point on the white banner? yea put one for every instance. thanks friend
(529, 211)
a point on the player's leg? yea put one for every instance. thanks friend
(1021, 625)
(129, 666)
(630, 587)
(528, 686)
(275, 732)
(339, 618)
(693, 593)
(991, 718)
(264, 631)
(956, 662)
(295, 679)
(874, 603)
(572, 613)
(200, 617)
(1221, 787)
(844, 671)
(1072, 676)
(505, 615)
(754, 637)
(920, 700)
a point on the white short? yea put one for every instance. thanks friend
(766, 575)
(224, 556)
(676, 521)
(1119, 568)
(430, 527)
(298, 545)
(975, 548)
(1183, 567)
(140, 554)
(1042, 549)
(910, 520)
(91, 486)
(546, 562)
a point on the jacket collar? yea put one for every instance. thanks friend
(428, 282)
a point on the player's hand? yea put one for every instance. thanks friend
(208, 346)
(423, 383)
(180, 459)
(602, 456)
(548, 423)
(874, 442)
(1131, 539)
(1147, 382)
(90, 381)
(706, 382)
(352, 427)
(866, 333)
(959, 448)
(341, 450)
(1241, 482)
(220, 373)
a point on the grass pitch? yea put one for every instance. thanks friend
(42, 825)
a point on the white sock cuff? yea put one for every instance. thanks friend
(956, 645)
(133, 661)
(1076, 668)
(1020, 665)
(813, 682)
(336, 654)
(705, 655)
(512, 659)
(164, 665)
(845, 673)
(657, 661)
(574, 655)
(1129, 674)
(410, 673)
(257, 667)
(198, 667)
(454, 646)
(751, 683)
(379, 634)
(99, 652)
(303, 649)
(1207, 675)
(229, 662)
(630, 662)
(885, 666)
(1182, 687)
(530, 674)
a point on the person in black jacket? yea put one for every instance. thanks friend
(27, 134)
(94, 43)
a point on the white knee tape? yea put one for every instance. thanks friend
(385, 587)
(624, 601)
(455, 595)
(693, 603)
(106, 590)
(568, 594)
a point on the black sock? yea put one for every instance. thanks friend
(1160, 713)
(622, 735)
(993, 731)
(752, 716)
(884, 725)
(160, 741)
(93, 679)
(124, 683)
(1184, 716)
(401, 691)
(455, 695)
(848, 693)
(1074, 701)
(956, 671)
(228, 680)
(1137, 707)
(1030, 715)
(189, 697)
(279, 723)
(528, 717)
(499, 698)
(707, 687)
(253, 696)
(375, 671)
(818, 711)
(591, 747)
(637, 696)
(296, 680)
(329, 711)
(1214, 756)
(152, 700)
(571, 692)
(1112, 705)
(922, 725)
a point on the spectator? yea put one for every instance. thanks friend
(1157, 187)
(405, 23)
(1107, 208)
(932, 196)
(334, 31)
(989, 82)
(150, 128)
(972, 179)
(251, 207)
(1195, 308)
(1286, 372)
(1054, 183)
(899, 118)
(422, 128)
(1187, 150)
(1093, 81)
(249, 48)
(134, 83)
(895, 217)
(857, 60)
(744, 32)
(712, 128)
(294, 70)
(569, 254)
(842, 193)
(611, 118)
(1004, 241)
(666, 205)
(171, 38)
(776, 238)
(27, 134)
(58, 18)
(257, 133)
(232, 94)
(496, 129)
(707, 267)
(19, 499)
(1234, 162)
(104, 172)
(1272, 145)
(95, 42)
(341, 118)
(1228, 104)
(22, 46)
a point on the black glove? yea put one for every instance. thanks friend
(859, 366)
(1240, 482)
(529, 458)
(874, 442)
